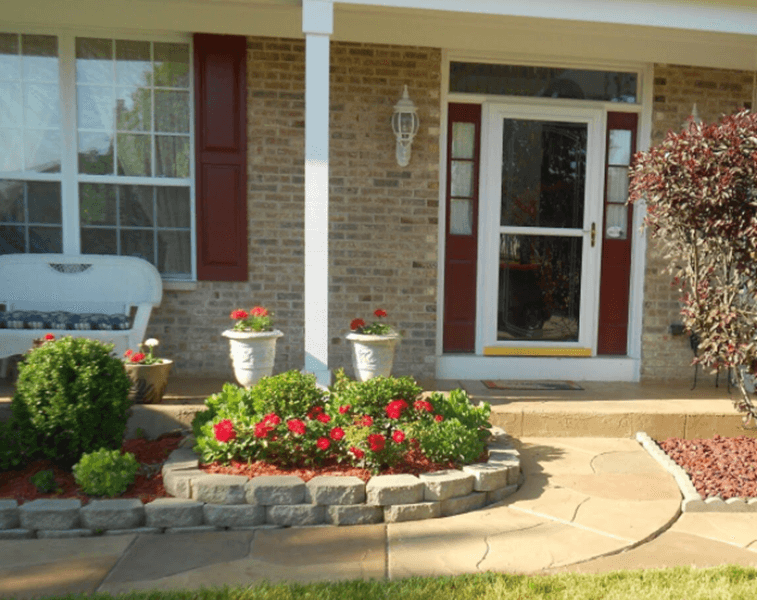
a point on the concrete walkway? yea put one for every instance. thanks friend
(587, 504)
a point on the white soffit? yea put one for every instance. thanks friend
(726, 16)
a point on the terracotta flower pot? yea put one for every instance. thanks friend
(372, 355)
(252, 354)
(148, 382)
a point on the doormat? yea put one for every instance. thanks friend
(531, 385)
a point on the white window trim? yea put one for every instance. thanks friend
(69, 176)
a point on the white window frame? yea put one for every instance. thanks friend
(69, 176)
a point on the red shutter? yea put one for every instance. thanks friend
(616, 261)
(461, 251)
(221, 156)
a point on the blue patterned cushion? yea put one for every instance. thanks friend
(58, 320)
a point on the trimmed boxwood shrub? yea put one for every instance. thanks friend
(71, 398)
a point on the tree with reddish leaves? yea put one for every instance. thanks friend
(700, 189)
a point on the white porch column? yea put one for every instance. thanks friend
(318, 25)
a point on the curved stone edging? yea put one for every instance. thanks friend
(204, 502)
(692, 500)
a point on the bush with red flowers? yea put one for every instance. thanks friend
(287, 420)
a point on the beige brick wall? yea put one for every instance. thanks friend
(383, 218)
(716, 92)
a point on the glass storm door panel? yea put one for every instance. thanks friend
(543, 179)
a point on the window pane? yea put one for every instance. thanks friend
(619, 152)
(172, 65)
(44, 202)
(11, 105)
(543, 173)
(45, 239)
(94, 61)
(617, 185)
(462, 179)
(133, 66)
(96, 153)
(41, 103)
(616, 222)
(134, 156)
(172, 159)
(42, 150)
(462, 140)
(98, 241)
(174, 253)
(539, 288)
(94, 107)
(134, 109)
(171, 111)
(40, 57)
(546, 82)
(461, 217)
(11, 150)
(135, 205)
(10, 62)
(135, 242)
(97, 204)
(12, 201)
(173, 207)
(12, 239)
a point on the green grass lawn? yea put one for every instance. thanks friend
(721, 583)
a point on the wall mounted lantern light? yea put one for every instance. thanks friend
(405, 124)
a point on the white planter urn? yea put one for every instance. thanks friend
(372, 355)
(252, 354)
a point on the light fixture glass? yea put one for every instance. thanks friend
(405, 124)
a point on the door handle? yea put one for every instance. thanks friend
(593, 234)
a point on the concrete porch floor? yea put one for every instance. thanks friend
(600, 409)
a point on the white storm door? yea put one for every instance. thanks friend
(541, 216)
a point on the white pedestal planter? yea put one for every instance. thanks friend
(252, 354)
(372, 355)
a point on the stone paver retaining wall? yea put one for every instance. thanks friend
(204, 502)
(692, 500)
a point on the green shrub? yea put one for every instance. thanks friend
(457, 405)
(105, 472)
(45, 482)
(451, 441)
(71, 398)
(289, 394)
(11, 451)
(374, 394)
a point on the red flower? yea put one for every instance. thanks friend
(357, 452)
(357, 324)
(49, 337)
(376, 441)
(379, 312)
(398, 436)
(323, 418)
(366, 421)
(318, 410)
(423, 405)
(272, 419)
(261, 430)
(296, 426)
(394, 408)
(128, 353)
(323, 443)
(224, 431)
(239, 314)
(439, 418)
(137, 357)
(258, 311)
(344, 409)
(336, 434)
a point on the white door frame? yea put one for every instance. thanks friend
(493, 114)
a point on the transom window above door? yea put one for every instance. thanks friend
(543, 82)
(99, 128)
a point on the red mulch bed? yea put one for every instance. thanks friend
(148, 486)
(725, 467)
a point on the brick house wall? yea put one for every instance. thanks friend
(716, 92)
(383, 218)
